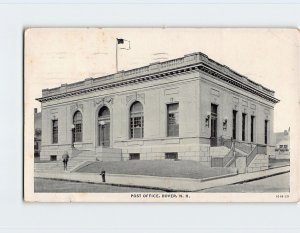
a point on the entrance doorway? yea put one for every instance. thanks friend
(104, 127)
(214, 125)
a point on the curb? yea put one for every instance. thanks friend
(262, 177)
(114, 184)
(171, 189)
(176, 178)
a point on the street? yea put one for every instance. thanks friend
(57, 186)
(273, 184)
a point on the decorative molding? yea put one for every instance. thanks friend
(104, 100)
(75, 107)
(172, 91)
(252, 106)
(244, 103)
(135, 97)
(214, 92)
(53, 111)
(235, 99)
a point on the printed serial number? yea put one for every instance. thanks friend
(282, 196)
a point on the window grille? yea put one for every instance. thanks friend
(173, 120)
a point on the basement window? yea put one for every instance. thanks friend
(53, 157)
(134, 156)
(173, 155)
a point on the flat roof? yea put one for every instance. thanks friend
(208, 65)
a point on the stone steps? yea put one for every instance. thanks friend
(219, 151)
(79, 157)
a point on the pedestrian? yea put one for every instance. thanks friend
(103, 175)
(65, 158)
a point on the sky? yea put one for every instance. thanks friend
(267, 56)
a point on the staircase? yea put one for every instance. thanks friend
(219, 151)
(225, 154)
(77, 158)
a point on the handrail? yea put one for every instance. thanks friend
(220, 141)
(258, 149)
(251, 156)
(244, 146)
(230, 155)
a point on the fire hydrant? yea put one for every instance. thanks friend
(103, 176)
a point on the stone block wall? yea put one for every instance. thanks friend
(259, 163)
(196, 152)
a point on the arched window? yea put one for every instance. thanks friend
(77, 121)
(136, 120)
(104, 112)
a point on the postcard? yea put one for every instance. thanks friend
(161, 114)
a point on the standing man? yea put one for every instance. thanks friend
(65, 158)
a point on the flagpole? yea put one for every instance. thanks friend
(117, 55)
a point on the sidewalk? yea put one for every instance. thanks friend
(169, 184)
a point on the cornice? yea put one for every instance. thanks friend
(201, 63)
(119, 83)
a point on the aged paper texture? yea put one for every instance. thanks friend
(161, 114)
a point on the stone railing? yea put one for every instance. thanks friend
(258, 149)
(137, 71)
(229, 157)
(244, 146)
(172, 63)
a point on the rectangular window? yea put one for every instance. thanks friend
(266, 131)
(234, 114)
(55, 131)
(244, 126)
(252, 128)
(134, 156)
(214, 125)
(172, 155)
(173, 120)
(36, 145)
(53, 157)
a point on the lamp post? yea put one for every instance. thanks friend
(72, 135)
(102, 123)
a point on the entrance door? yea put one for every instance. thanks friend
(104, 135)
(104, 127)
(214, 125)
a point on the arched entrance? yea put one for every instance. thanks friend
(104, 127)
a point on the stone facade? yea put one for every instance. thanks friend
(194, 82)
